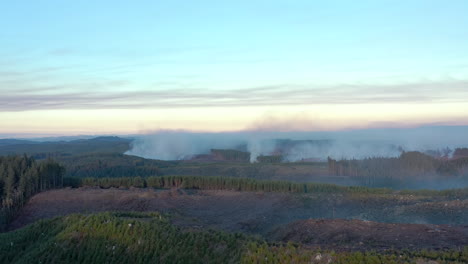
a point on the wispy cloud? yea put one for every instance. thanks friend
(73, 96)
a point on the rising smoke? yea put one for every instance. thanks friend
(178, 145)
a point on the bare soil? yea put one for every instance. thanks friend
(424, 222)
(228, 210)
(358, 234)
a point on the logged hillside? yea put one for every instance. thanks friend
(358, 234)
(252, 212)
(151, 238)
(198, 211)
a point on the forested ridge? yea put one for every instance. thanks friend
(152, 238)
(410, 170)
(111, 165)
(104, 157)
(20, 178)
(59, 149)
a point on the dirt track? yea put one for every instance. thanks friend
(270, 213)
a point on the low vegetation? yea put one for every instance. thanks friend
(117, 238)
(293, 253)
(151, 238)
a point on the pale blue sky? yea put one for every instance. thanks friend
(87, 57)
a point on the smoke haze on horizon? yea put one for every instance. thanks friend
(178, 145)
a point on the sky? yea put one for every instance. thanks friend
(126, 67)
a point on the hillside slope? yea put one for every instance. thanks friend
(151, 238)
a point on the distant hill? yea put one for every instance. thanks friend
(39, 150)
(8, 142)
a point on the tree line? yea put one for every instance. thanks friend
(20, 178)
(215, 183)
(245, 184)
(111, 165)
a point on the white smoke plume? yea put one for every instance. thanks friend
(178, 145)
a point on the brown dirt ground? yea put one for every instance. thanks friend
(358, 234)
(228, 210)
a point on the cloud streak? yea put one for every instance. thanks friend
(73, 97)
